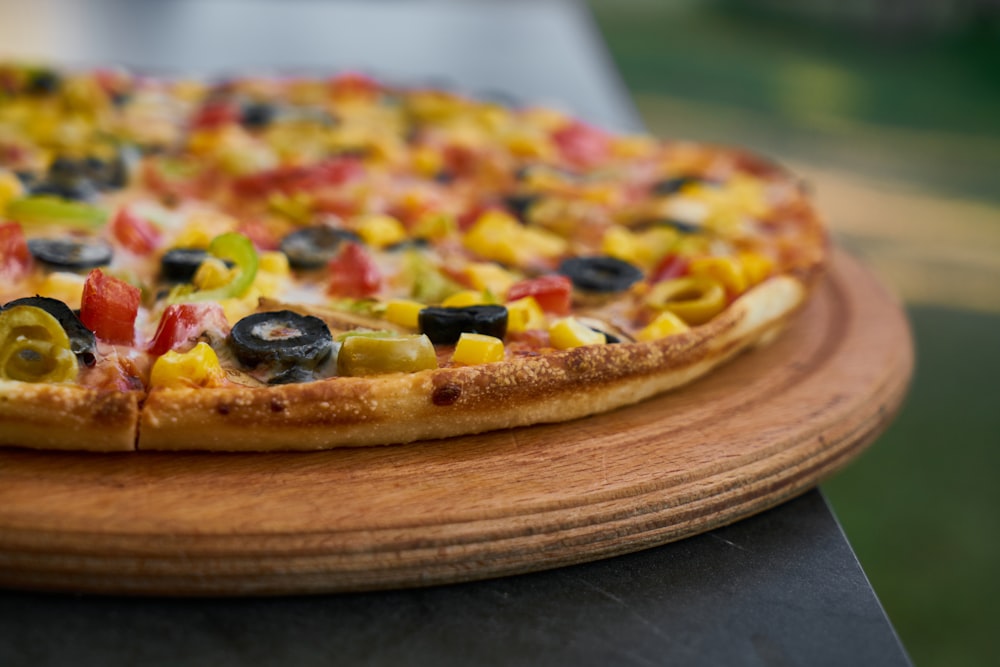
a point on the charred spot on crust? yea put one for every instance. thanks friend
(277, 405)
(222, 409)
(446, 394)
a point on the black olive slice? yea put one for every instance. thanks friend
(520, 204)
(313, 247)
(679, 225)
(257, 115)
(444, 326)
(416, 243)
(179, 265)
(70, 253)
(44, 82)
(670, 186)
(282, 338)
(68, 179)
(600, 273)
(82, 341)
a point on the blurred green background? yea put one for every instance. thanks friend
(892, 111)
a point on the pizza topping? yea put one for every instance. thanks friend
(232, 247)
(198, 367)
(15, 258)
(314, 247)
(445, 325)
(281, 340)
(375, 353)
(552, 293)
(68, 253)
(473, 348)
(34, 347)
(179, 265)
(182, 323)
(695, 299)
(569, 332)
(82, 341)
(665, 324)
(600, 274)
(109, 307)
(47, 211)
(353, 273)
(134, 232)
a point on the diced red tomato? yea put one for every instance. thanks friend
(215, 114)
(670, 267)
(581, 144)
(109, 308)
(554, 293)
(182, 322)
(301, 178)
(353, 273)
(262, 236)
(134, 232)
(15, 259)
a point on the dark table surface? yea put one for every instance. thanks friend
(781, 588)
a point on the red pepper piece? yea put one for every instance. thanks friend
(670, 267)
(134, 232)
(581, 144)
(353, 273)
(15, 258)
(182, 322)
(554, 293)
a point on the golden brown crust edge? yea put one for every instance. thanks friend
(342, 412)
(67, 417)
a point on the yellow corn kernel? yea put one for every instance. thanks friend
(633, 146)
(538, 243)
(379, 231)
(620, 243)
(434, 225)
(727, 270)
(695, 299)
(757, 267)
(532, 145)
(524, 314)
(296, 207)
(475, 348)
(236, 308)
(198, 367)
(65, 286)
(10, 188)
(273, 262)
(427, 161)
(465, 298)
(404, 312)
(201, 228)
(490, 237)
(212, 273)
(568, 332)
(665, 324)
(487, 276)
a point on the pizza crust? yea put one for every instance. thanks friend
(67, 417)
(399, 408)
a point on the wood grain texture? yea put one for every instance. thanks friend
(767, 426)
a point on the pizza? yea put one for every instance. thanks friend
(308, 262)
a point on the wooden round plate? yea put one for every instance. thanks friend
(767, 426)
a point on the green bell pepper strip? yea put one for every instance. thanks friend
(34, 347)
(45, 210)
(238, 249)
